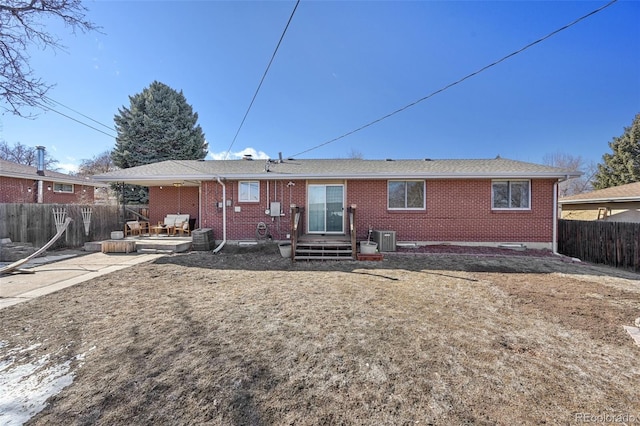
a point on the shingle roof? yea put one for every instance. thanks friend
(21, 171)
(628, 192)
(198, 170)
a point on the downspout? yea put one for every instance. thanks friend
(554, 244)
(199, 204)
(224, 216)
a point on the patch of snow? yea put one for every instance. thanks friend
(30, 348)
(634, 332)
(26, 387)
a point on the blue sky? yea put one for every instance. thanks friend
(344, 64)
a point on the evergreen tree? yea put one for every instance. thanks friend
(623, 166)
(159, 125)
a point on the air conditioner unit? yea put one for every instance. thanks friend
(386, 240)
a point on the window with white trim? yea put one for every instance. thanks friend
(249, 191)
(406, 195)
(511, 194)
(62, 187)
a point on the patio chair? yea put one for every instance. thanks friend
(183, 228)
(132, 227)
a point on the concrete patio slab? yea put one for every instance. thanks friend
(45, 278)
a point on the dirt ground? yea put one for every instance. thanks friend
(245, 337)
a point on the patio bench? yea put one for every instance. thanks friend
(175, 223)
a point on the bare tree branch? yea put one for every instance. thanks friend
(571, 162)
(22, 26)
(27, 155)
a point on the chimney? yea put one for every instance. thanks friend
(40, 152)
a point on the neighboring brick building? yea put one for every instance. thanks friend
(25, 184)
(483, 202)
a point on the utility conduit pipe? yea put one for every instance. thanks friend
(224, 216)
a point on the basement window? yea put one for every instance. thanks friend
(63, 187)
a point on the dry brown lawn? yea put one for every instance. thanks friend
(247, 338)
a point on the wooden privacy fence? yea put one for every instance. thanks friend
(610, 243)
(36, 223)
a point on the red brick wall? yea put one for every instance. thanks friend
(242, 224)
(456, 210)
(173, 200)
(15, 190)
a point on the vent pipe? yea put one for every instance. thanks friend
(40, 153)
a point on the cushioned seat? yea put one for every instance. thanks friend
(132, 227)
(176, 223)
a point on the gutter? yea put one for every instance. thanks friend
(59, 178)
(380, 176)
(603, 200)
(274, 175)
(224, 216)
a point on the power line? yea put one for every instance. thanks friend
(450, 85)
(77, 112)
(262, 80)
(76, 120)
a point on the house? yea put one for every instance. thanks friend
(478, 202)
(615, 204)
(25, 184)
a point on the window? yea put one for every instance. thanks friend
(406, 194)
(511, 194)
(62, 187)
(249, 191)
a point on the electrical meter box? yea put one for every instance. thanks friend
(274, 210)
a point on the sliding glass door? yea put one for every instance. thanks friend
(326, 209)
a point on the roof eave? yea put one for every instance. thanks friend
(56, 179)
(276, 175)
(601, 200)
(173, 178)
(164, 179)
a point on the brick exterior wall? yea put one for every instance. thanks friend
(242, 224)
(457, 210)
(16, 190)
(173, 200)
